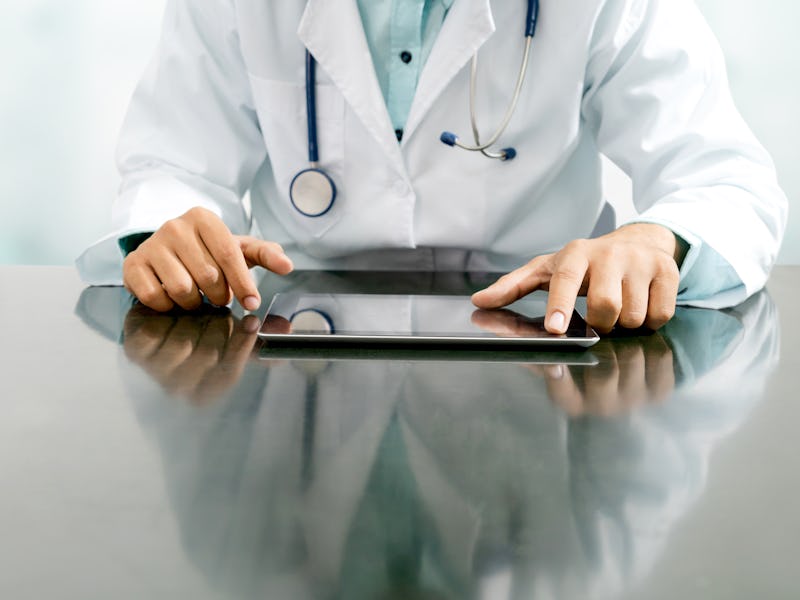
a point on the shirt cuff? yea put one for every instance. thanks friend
(131, 242)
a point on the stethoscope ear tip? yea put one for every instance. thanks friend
(448, 138)
(509, 153)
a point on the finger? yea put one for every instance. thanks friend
(663, 294)
(183, 337)
(177, 345)
(196, 379)
(143, 339)
(203, 269)
(635, 294)
(563, 391)
(265, 254)
(513, 285)
(602, 387)
(141, 281)
(604, 297)
(234, 359)
(176, 280)
(250, 324)
(225, 250)
(192, 331)
(565, 284)
(139, 317)
(633, 389)
(217, 333)
(242, 340)
(185, 381)
(659, 368)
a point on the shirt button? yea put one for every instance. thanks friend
(406, 56)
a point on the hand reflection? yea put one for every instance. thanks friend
(276, 324)
(196, 356)
(631, 372)
(507, 323)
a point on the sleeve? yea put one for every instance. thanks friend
(656, 96)
(191, 135)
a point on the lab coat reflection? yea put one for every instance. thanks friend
(363, 479)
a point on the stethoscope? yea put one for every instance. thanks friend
(313, 192)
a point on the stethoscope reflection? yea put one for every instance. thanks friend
(445, 479)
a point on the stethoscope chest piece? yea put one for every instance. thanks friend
(311, 320)
(312, 192)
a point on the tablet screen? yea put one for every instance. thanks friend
(404, 318)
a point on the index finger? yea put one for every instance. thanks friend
(227, 253)
(512, 286)
(565, 285)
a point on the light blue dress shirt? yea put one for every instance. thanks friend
(401, 34)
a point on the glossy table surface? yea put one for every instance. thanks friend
(176, 456)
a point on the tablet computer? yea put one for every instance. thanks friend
(401, 319)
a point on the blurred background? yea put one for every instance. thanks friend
(69, 68)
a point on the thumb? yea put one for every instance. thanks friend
(265, 254)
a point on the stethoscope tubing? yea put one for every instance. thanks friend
(531, 20)
(311, 108)
(322, 189)
(509, 112)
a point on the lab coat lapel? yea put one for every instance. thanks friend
(468, 24)
(332, 31)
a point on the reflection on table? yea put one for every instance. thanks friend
(398, 476)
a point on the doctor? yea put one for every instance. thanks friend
(331, 113)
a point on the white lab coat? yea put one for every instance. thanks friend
(221, 110)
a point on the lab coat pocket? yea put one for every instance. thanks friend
(281, 108)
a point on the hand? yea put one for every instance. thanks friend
(197, 254)
(197, 356)
(632, 372)
(630, 277)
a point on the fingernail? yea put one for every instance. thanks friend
(555, 371)
(557, 321)
(251, 303)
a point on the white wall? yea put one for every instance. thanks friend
(763, 51)
(68, 69)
